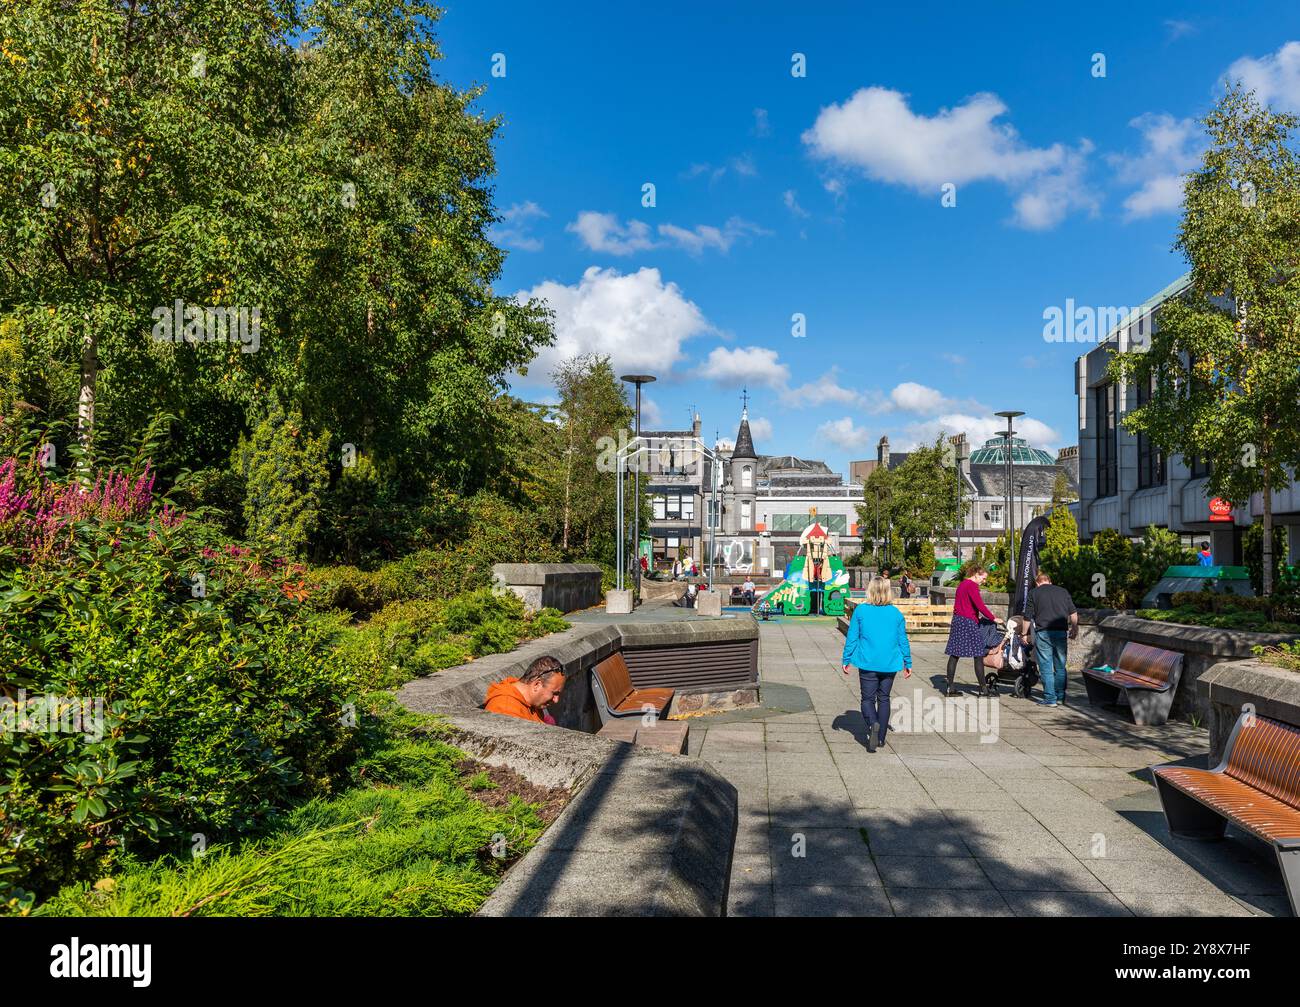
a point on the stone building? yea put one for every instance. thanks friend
(765, 502)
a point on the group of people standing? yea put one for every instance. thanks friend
(876, 643)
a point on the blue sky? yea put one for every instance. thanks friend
(821, 195)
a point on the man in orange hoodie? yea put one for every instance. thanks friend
(528, 696)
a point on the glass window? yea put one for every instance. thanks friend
(746, 514)
(688, 507)
(1107, 441)
(995, 515)
(659, 507)
(746, 477)
(1151, 461)
(674, 506)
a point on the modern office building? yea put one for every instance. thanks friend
(1127, 483)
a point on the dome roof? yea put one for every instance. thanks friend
(994, 453)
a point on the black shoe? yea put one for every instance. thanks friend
(881, 742)
(952, 692)
(871, 742)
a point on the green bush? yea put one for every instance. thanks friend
(1252, 547)
(220, 710)
(284, 473)
(407, 839)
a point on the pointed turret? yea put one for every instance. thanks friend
(744, 439)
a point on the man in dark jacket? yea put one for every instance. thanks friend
(1051, 612)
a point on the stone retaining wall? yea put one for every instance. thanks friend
(646, 833)
(566, 586)
(1202, 647)
(1226, 687)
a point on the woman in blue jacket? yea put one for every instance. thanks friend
(876, 644)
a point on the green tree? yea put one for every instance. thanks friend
(593, 405)
(917, 500)
(284, 472)
(1224, 363)
(1062, 540)
(298, 160)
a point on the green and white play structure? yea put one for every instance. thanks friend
(815, 582)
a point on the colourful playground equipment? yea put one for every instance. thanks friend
(815, 582)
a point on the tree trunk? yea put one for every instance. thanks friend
(86, 399)
(1266, 551)
(568, 483)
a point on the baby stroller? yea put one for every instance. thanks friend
(1007, 658)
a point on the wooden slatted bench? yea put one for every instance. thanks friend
(617, 697)
(1147, 675)
(1256, 787)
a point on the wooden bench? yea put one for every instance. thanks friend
(1148, 676)
(617, 697)
(1256, 787)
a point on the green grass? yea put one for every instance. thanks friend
(407, 839)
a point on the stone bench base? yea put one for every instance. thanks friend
(665, 736)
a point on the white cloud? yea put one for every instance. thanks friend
(1170, 148)
(1275, 78)
(844, 434)
(514, 232)
(703, 236)
(601, 232)
(791, 200)
(821, 391)
(956, 359)
(744, 165)
(755, 365)
(636, 318)
(762, 127)
(1051, 196)
(978, 429)
(1177, 29)
(876, 133)
(913, 398)
(652, 416)
(761, 429)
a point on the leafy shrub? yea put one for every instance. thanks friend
(284, 474)
(407, 839)
(219, 711)
(1252, 547)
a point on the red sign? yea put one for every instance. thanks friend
(1220, 510)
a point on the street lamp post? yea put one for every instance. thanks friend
(957, 460)
(1010, 414)
(638, 380)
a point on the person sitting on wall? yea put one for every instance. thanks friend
(1207, 557)
(528, 696)
(748, 589)
(687, 600)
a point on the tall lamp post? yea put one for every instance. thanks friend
(958, 458)
(638, 380)
(1010, 414)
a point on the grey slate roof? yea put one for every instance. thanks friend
(1038, 480)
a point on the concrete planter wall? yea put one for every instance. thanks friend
(566, 586)
(645, 834)
(1202, 648)
(1225, 688)
(997, 603)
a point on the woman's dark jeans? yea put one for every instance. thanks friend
(875, 700)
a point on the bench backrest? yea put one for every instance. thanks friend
(1266, 756)
(614, 679)
(1153, 665)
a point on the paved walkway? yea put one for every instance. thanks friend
(1047, 818)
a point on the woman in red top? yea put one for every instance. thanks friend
(965, 638)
